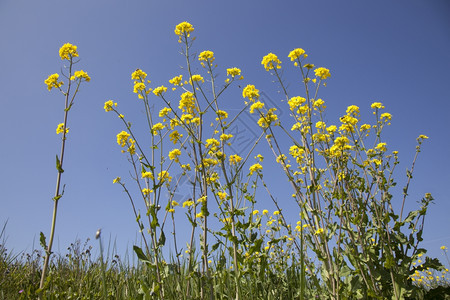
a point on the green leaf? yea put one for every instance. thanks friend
(162, 239)
(58, 165)
(42, 241)
(140, 254)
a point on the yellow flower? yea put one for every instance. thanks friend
(381, 147)
(265, 212)
(164, 112)
(60, 129)
(377, 105)
(174, 154)
(177, 80)
(221, 114)
(52, 82)
(323, 73)
(235, 159)
(184, 28)
(175, 203)
(187, 102)
(188, 203)
(159, 90)
(319, 231)
(116, 180)
(255, 212)
(352, 110)
(138, 75)
(147, 174)
(255, 168)
(68, 51)
(295, 102)
(197, 78)
(122, 138)
(222, 195)
(157, 127)
(423, 137)
(146, 191)
(269, 60)
(225, 137)
(256, 105)
(234, 72)
(109, 105)
(250, 92)
(386, 116)
(175, 136)
(275, 213)
(207, 56)
(365, 127)
(443, 248)
(138, 87)
(294, 54)
(80, 74)
(164, 176)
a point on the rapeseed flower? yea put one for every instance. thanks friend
(52, 81)
(60, 129)
(174, 155)
(323, 73)
(147, 174)
(109, 105)
(159, 90)
(68, 51)
(250, 92)
(235, 159)
(234, 72)
(296, 53)
(255, 168)
(207, 56)
(138, 75)
(183, 28)
(271, 61)
(256, 105)
(164, 176)
(122, 138)
(80, 74)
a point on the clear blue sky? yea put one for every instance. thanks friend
(394, 52)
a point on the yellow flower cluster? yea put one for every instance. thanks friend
(255, 168)
(250, 92)
(159, 90)
(138, 75)
(295, 102)
(233, 72)
(177, 80)
(184, 28)
(271, 61)
(235, 159)
(296, 53)
(52, 82)
(164, 176)
(174, 155)
(187, 102)
(267, 119)
(80, 74)
(207, 56)
(60, 129)
(109, 105)
(147, 174)
(122, 138)
(256, 105)
(197, 78)
(157, 127)
(68, 51)
(322, 73)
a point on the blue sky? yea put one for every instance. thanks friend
(394, 52)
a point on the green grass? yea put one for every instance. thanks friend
(78, 275)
